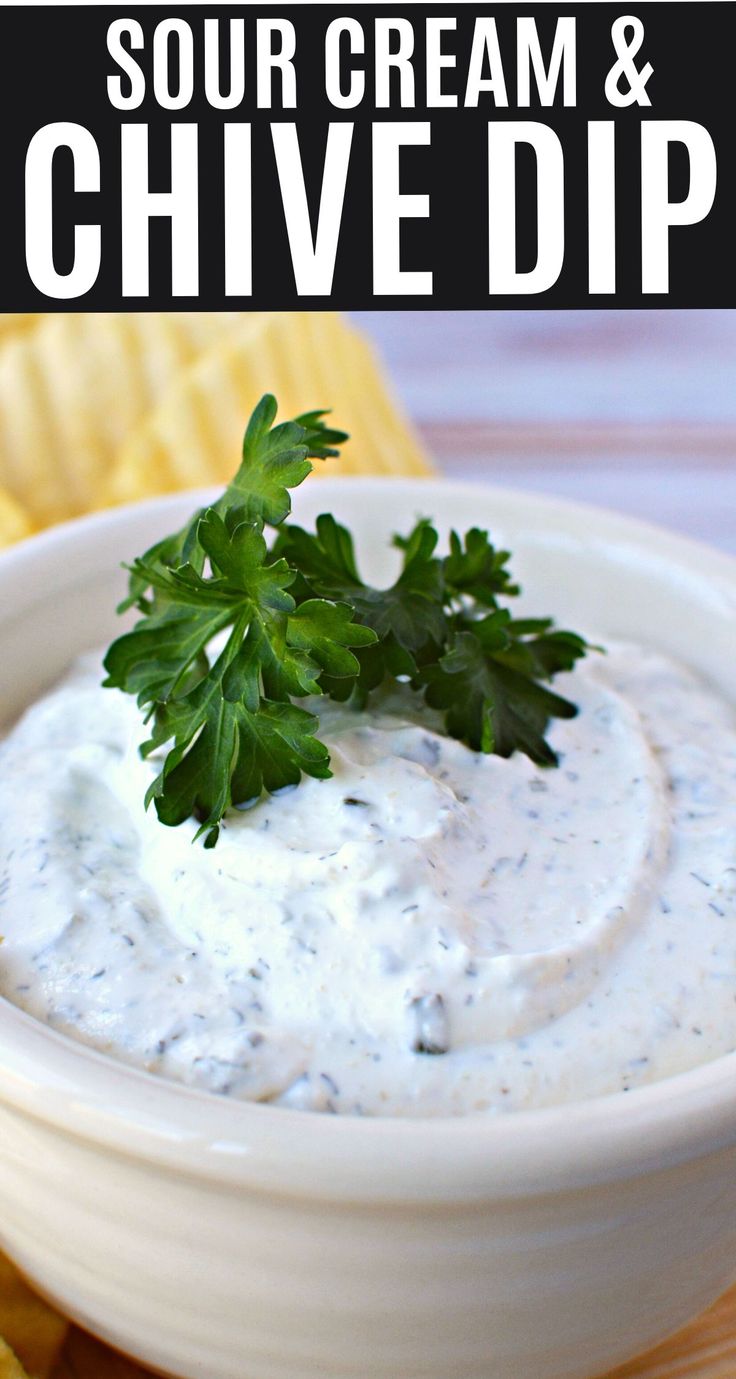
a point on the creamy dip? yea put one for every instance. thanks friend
(430, 932)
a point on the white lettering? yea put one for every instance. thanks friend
(502, 143)
(391, 206)
(314, 261)
(40, 215)
(658, 213)
(139, 205)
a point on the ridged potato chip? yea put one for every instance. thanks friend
(308, 359)
(33, 1332)
(86, 1358)
(14, 322)
(9, 1366)
(72, 386)
(15, 522)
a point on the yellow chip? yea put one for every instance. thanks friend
(71, 388)
(14, 520)
(308, 360)
(14, 322)
(9, 1366)
(32, 1330)
(86, 1358)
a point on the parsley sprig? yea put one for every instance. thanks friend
(298, 620)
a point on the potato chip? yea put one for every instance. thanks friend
(14, 520)
(71, 388)
(86, 1358)
(31, 1329)
(308, 359)
(9, 1366)
(14, 322)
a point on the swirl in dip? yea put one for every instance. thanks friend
(430, 932)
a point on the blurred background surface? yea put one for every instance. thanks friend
(634, 410)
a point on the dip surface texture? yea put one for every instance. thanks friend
(431, 932)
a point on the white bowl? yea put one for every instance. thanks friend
(220, 1240)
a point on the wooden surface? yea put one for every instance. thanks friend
(705, 1350)
(632, 410)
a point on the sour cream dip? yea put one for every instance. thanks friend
(430, 932)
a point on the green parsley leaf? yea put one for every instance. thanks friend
(475, 569)
(232, 727)
(407, 617)
(275, 459)
(487, 702)
(298, 620)
(226, 753)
